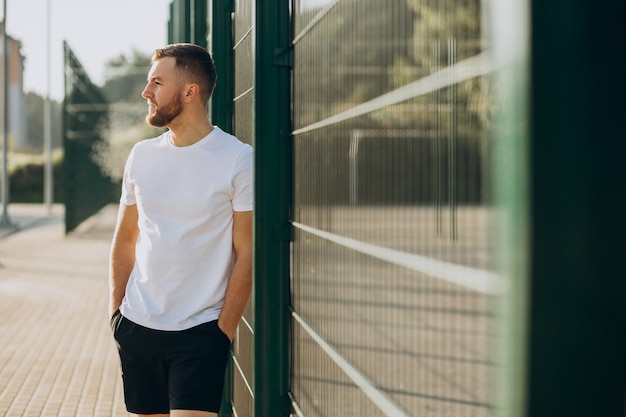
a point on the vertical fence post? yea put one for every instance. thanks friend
(198, 21)
(4, 220)
(577, 315)
(510, 180)
(273, 157)
(180, 15)
(222, 51)
(220, 26)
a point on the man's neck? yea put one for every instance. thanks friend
(186, 133)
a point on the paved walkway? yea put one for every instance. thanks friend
(57, 357)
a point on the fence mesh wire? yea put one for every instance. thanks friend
(392, 280)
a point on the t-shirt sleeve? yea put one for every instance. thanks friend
(128, 187)
(243, 181)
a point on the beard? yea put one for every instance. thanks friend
(164, 115)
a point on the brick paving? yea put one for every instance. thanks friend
(57, 356)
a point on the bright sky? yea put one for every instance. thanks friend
(96, 30)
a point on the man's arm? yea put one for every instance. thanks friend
(122, 256)
(240, 283)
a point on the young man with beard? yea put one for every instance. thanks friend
(181, 257)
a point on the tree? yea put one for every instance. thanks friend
(362, 49)
(126, 77)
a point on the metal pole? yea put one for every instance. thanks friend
(510, 170)
(577, 314)
(4, 221)
(222, 100)
(221, 108)
(273, 234)
(353, 166)
(47, 125)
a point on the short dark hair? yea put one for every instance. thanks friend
(195, 62)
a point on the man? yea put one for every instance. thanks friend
(181, 256)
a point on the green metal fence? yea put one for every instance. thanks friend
(188, 21)
(378, 125)
(412, 252)
(85, 188)
(393, 275)
(230, 40)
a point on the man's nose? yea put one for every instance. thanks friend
(146, 93)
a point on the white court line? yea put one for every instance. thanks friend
(472, 278)
(388, 407)
(475, 66)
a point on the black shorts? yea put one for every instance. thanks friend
(171, 370)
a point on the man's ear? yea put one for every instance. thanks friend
(192, 90)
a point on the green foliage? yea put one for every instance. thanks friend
(363, 49)
(348, 55)
(126, 78)
(27, 183)
(366, 48)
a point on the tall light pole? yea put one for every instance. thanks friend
(47, 123)
(4, 221)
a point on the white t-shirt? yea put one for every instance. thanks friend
(185, 198)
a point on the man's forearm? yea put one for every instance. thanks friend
(121, 264)
(122, 256)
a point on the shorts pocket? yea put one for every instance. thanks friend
(219, 331)
(115, 320)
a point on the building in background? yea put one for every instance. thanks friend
(17, 98)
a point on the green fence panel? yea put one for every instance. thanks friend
(86, 188)
(393, 268)
(241, 91)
